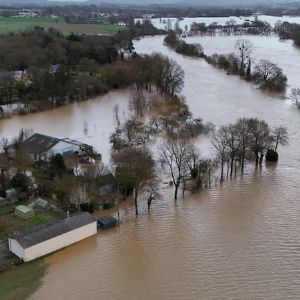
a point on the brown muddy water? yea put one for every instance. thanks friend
(239, 240)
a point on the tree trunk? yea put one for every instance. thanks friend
(256, 158)
(231, 167)
(176, 191)
(136, 192)
(261, 158)
(222, 170)
(242, 163)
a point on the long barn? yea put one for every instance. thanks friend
(48, 238)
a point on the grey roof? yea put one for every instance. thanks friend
(7, 75)
(107, 220)
(48, 231)
(23, 209)
(39, 143)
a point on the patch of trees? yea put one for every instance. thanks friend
(287, 30)
(266, 74)
(180, 46)
(247, 140)
(58, 69)
(134, 169)
(256, 27)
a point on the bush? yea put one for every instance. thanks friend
(272, 155)
(108, 205)
(20, 182)
(2, 193)
(87, 207)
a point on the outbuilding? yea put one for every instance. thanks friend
(107, 222)
(24, 212)
(48, 238)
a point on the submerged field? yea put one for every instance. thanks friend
(19, 24)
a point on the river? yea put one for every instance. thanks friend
(239, 240)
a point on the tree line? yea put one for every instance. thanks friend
(247, 139)
(57, 69)
(266, 74)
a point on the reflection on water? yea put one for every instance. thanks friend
(238, 240)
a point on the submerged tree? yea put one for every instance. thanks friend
(134, 169)
(268, 75)
(244, 48)
(220, 143)
(295, 96)
(280, 137)
(176, 154)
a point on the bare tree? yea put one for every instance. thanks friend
(117, 112)
(135, 168)
(176, 154)
(269, 75)
(243, 133)
(280, 136)
(295, 96)
(138, 103)
(220, 143)
(260, 138)
(171, 77)
(244, 48)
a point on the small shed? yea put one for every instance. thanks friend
(11, 194)
(107, 222)
(24, 212)
(41, 204)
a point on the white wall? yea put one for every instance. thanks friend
(59, 242)
(15, 248)
(62, 147)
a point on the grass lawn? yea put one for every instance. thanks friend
(20, 24)
(10, 223)
(21, 281)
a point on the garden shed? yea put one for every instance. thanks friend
(24, 212)
(107, 222)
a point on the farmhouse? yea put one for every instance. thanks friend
(47, 238)
(41, 147)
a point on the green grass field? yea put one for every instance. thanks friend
(20, 24)
(10, 223)
(21, 281)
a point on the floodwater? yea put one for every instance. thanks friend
(91, 122)
(163, 23)
(239, 240)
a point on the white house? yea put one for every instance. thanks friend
(41, 147)
(48, 238)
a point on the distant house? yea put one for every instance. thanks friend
(42, 147)
(16, 76)
(54, 69)
(48, 238)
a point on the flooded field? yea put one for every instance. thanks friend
(239, 240)
(91, 122)
(163, 23)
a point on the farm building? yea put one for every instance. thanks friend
(42, 147)
(48, 238)
(24, 212)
